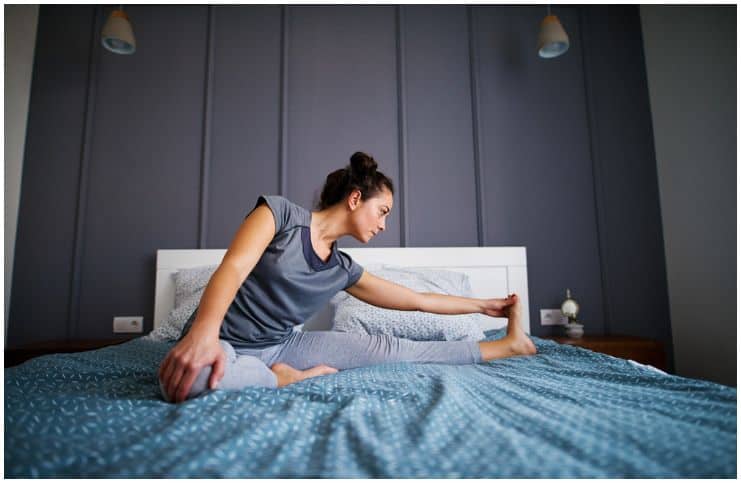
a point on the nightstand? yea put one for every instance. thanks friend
(639, 349)
(15, 356)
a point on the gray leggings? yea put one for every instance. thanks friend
(341, 350)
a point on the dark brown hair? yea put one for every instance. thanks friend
(361, 174)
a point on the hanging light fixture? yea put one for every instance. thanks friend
(117, 35)
(552, 39)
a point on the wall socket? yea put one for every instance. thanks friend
(552, 317)
(128, 324)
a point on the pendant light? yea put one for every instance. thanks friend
(117, 35)
(552, 39)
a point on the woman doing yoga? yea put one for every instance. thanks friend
(282, 266)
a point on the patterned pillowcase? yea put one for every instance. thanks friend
(190, 283)
(351, 314)
(354, 315)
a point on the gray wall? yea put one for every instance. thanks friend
(691, 67)
(488, 145)
(20, 38)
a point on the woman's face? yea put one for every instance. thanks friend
(369, 217)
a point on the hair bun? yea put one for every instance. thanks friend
(360, 175)
(362, 164)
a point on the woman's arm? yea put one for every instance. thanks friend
(245, 251)
(200, 347)
(382, 293)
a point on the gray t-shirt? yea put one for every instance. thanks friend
(289, 283)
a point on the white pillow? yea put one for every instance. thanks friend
(190, 283)
(354, 315)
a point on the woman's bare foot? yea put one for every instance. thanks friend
(288, 375)
(521, 343)
(515, 343)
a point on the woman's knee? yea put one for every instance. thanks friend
(229, 352)
(243, 372)
(200, 384)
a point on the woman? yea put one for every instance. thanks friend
(282, 266)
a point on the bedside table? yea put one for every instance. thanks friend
(639, 349)
(13, 357)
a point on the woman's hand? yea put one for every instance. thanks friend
(184, 362)
(498, 307)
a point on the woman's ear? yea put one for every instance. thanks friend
(354, 199)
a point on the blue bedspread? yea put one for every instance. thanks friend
(566, 412)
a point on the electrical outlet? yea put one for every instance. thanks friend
(552, 317)
(128, 324)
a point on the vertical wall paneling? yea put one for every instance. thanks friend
(599, 196)
(488, 145)
(282, 134)
(342, 98)
(401, 185)
(246, 124)
(630, 219)
(43, 270)
(474, 74)
(537, 169)
(442, 178)
(145, 163)
(206, 147)
(82, 192)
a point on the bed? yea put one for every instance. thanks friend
(565, 412)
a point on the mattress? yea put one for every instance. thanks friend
(565, 412)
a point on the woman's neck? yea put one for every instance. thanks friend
(328, 225)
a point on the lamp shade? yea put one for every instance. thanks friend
(117, 35)
(552, 39)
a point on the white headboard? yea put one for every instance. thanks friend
(493, 271)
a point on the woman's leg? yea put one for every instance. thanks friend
(243, 370)
(240, 371)
(343, 350)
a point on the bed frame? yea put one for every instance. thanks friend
(493, 271)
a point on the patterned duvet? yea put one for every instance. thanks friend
(566, 412)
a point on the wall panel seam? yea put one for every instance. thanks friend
(206, 126)
(473, 75)
(402, 127)
(73, 314)
(283, 102)
(598, 188)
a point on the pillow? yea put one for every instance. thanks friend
(190, 283)
(354, 315)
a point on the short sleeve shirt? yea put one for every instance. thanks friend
(288, 284)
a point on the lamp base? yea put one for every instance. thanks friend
(574, 330)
